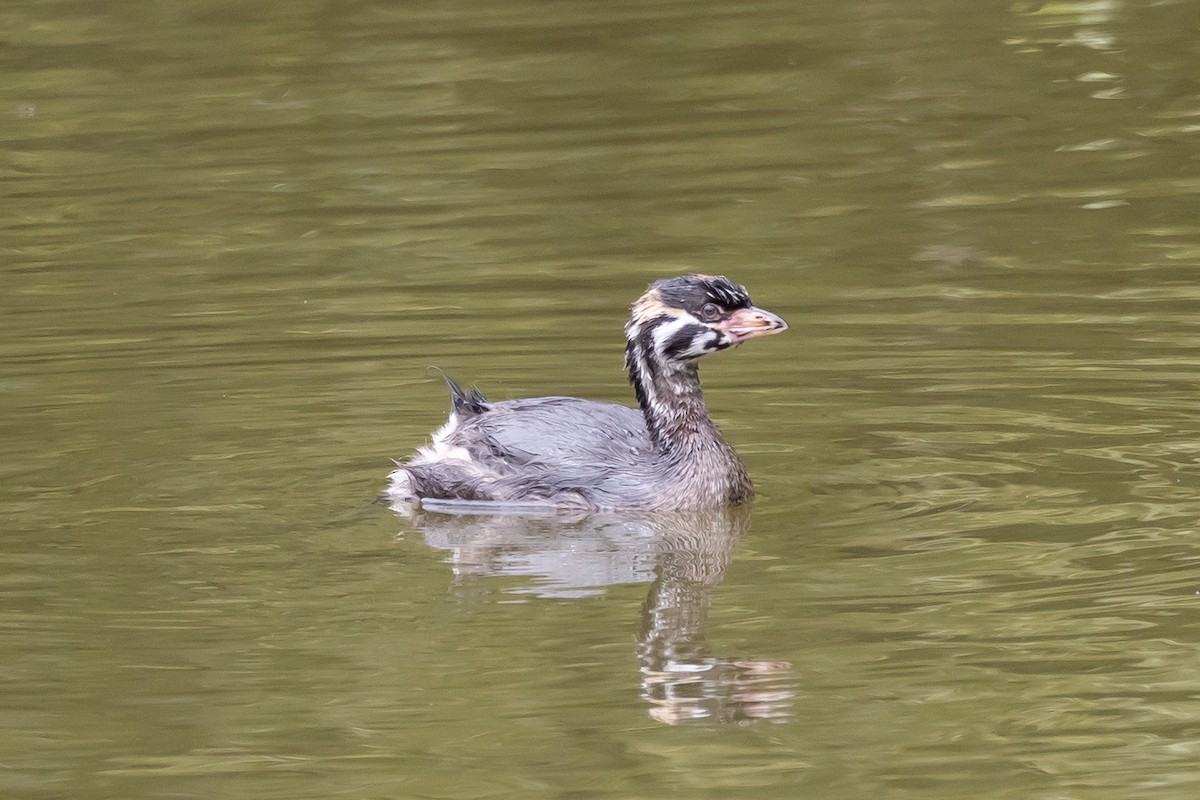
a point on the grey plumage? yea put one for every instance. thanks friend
(566, 452)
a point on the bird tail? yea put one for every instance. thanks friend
(443, 480)
(468, 403)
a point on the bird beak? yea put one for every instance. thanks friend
(750, 323)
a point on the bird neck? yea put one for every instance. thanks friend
(671, 401)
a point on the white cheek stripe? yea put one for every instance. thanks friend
(664, 332)
(704, 342)
(668, 329)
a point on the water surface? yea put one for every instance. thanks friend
(236, 237)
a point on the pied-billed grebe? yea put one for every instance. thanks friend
(564, 452)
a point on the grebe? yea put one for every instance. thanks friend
(563, 452)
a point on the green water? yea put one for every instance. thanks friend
(235, 236)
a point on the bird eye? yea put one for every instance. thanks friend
(710, 312)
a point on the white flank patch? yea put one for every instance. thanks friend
(399, 487)
(439, 447)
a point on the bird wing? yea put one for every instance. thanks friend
(555, 433)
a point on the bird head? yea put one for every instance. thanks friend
(678, 320)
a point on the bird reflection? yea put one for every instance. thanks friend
(682, 555)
